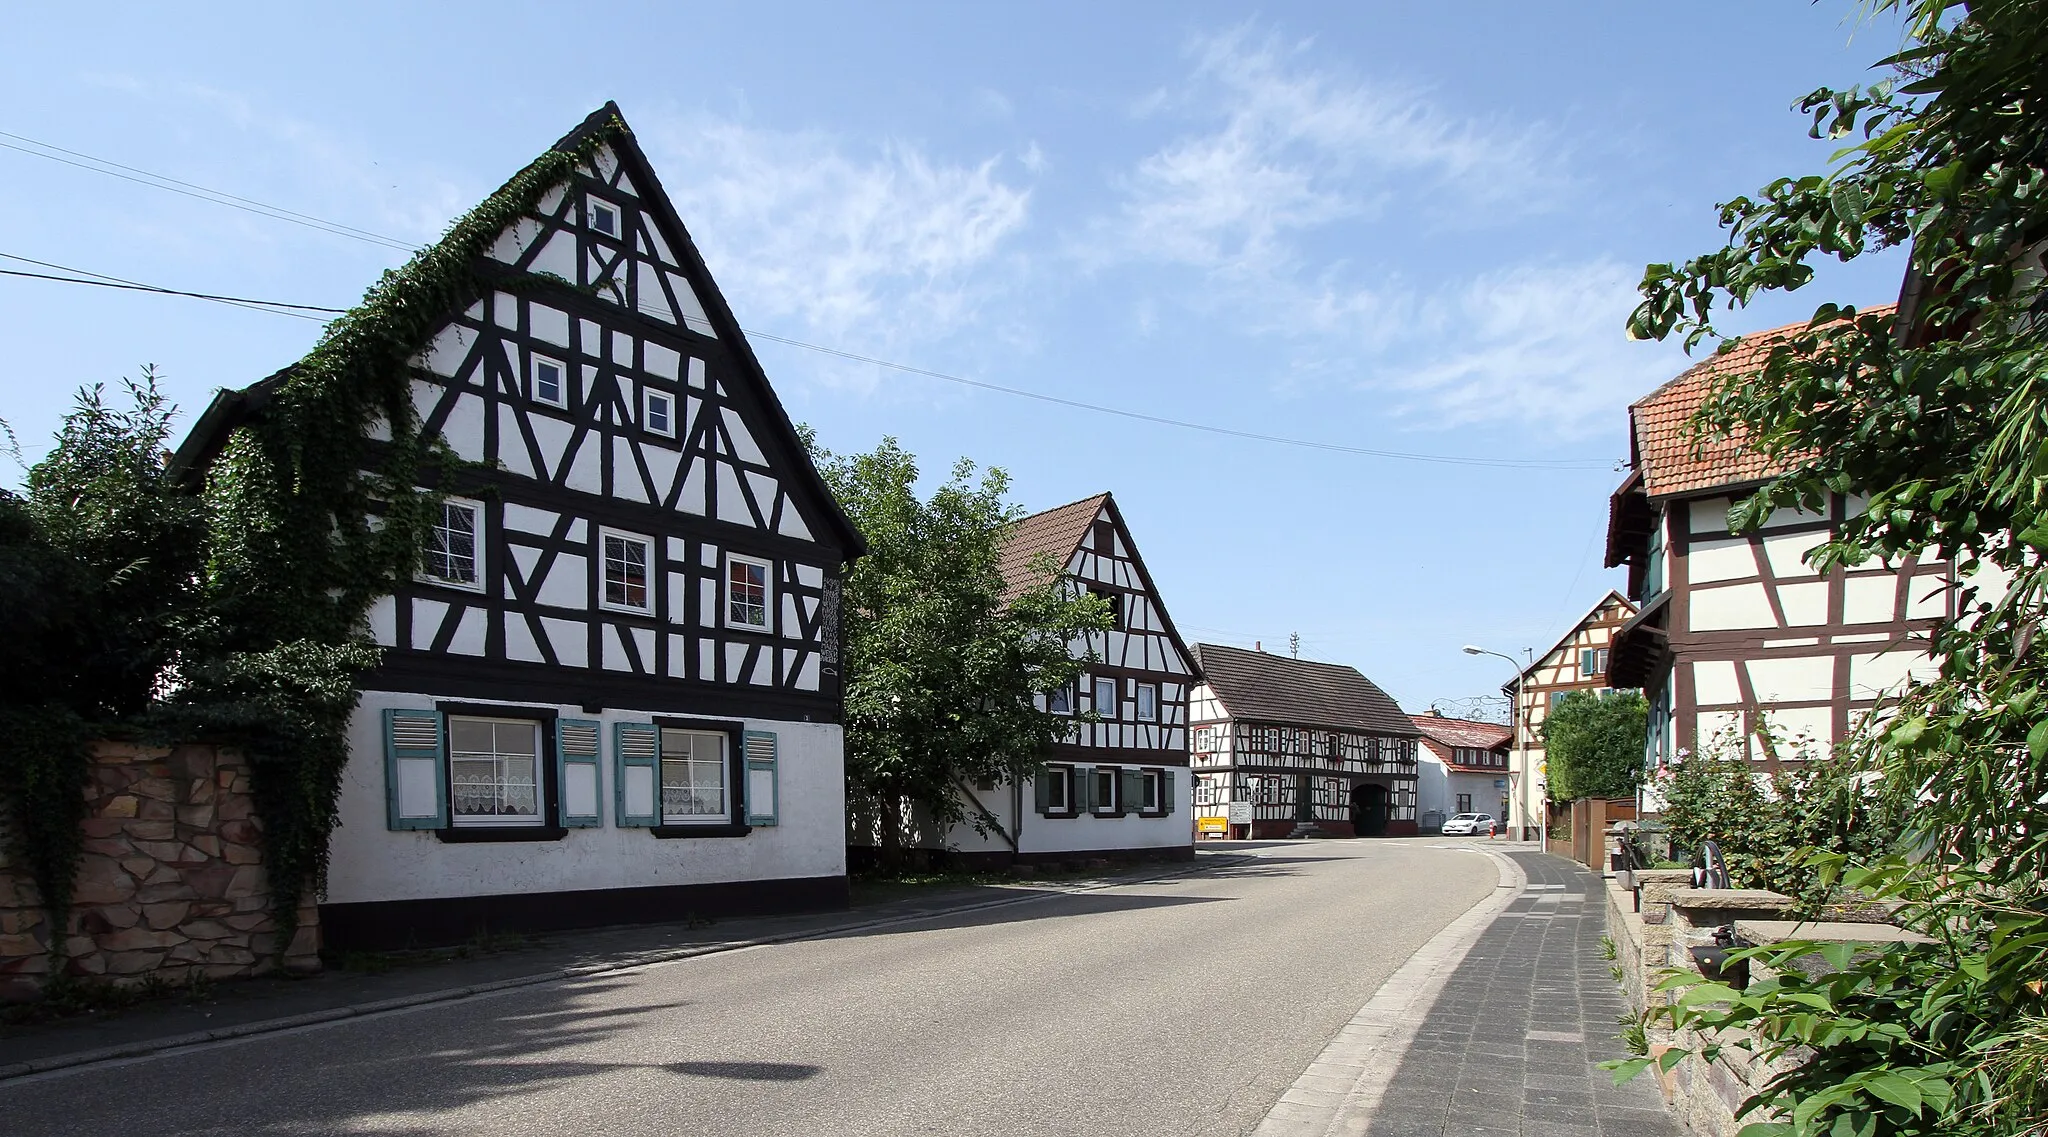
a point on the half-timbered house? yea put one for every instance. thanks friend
(1288, 747)
(1741, 646)
(1577, 662)
(611, 693)
(1117, 788)
(1463, 766)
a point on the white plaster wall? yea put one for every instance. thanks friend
(1486, 797)
(1730, 607)
(1432, 783)
(371, 862)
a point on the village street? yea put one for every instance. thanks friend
(1181, 1006)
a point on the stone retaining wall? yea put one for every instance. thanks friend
(171, 884)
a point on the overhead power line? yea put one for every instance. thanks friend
(144, 177)
(102, 281)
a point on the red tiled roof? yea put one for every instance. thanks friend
(1461, 732)
(1056, 532)
(1671, 459)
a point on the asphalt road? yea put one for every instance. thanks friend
(1183, 1006)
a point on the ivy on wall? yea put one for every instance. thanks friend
(310, 524)
(239, 615)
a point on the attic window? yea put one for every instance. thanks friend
(548, 385)
(604, 218)
(658, 413)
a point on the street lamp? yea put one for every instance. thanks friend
(1521, 752)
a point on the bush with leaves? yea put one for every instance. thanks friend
(941, 660)
(1937, 412)
(1593, 746)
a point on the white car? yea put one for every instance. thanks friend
(1469, 824)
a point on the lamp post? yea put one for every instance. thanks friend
(1521, 752)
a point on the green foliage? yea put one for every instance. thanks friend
(941, 662)
(96, 565)
(1593, 746)
(311, 522)
(1824, 803)
(1939, 416)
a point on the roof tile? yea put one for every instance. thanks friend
(1300, 692)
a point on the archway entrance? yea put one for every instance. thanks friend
(1370, 809)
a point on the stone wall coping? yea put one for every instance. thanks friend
(1830, 931)
(1663, 876)
(1759, 899)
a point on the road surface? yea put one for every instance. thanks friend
(1182, 1006)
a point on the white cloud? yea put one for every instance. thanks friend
(1294, 162)
(870, 247)
(1300, 148)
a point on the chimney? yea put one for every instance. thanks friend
(1258, 646)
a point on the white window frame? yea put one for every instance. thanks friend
(1109, 802)
(604, 536)
(724, 778)
(594, 206)
(767, 588)
(1155, 786)
(476, 513)
(647, 397)
(1065, 694)
(1115, 697)
(1061, 779)
(1144, 714)
(540, 815)
(533, 366)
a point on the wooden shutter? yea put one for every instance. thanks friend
(1133, 796)
(1166, 791)
(1042, 786)
(415, 777)
(580, 803)
(636, 774)
(1083, 791)
(764, 792)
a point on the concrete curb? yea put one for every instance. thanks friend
(76, 1061)
(1340, 1089)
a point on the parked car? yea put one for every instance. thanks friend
(1469, 825)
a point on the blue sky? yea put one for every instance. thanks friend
(1409, 228)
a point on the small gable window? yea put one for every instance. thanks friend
(453, 545)
(658, 412)
(628, 561)
(548, 382)
(1105, 697)
(604, 218)
(748, 595)
(1148, 702)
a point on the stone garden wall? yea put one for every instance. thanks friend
(171, 885)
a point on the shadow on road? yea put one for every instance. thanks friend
(749, 1071)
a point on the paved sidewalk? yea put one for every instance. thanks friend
(258, 1006)
(1510, 1044)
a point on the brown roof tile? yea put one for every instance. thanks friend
(1672, 461)
(1461, 732)
(1056, 532)
(1299, 692)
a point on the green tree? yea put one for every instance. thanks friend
(940, 668)
(1593, 746)
(1937, 412)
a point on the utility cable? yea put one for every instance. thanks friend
(104, 281)
(264, 209)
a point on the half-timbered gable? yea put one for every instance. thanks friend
(1288, 746)
(1740, 644)
(625, 627)
(1580, 660)
(1118, 786)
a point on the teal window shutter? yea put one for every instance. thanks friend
(1042, 784)
(580, 803)
(415, 778)
(764, 790)
(1133, 791)
(636, 778)
(1083, 790)
(1166, 792)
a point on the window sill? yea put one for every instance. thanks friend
(1060, 814)
(483, 834)
(717, 829)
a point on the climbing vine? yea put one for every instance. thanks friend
(310, 523)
